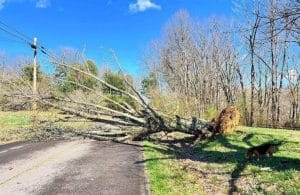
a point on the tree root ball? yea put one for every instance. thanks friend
(227, 121)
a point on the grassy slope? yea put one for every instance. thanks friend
(220, 166)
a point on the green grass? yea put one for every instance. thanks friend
(167, 176)
(15, 120)
(16, 126)
(220, 165)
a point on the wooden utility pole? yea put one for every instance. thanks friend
(34, 88)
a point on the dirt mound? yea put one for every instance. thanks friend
(227, 121)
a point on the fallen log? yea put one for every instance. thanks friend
(105, 137)
(144, 117)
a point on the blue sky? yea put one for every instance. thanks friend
(126, 26)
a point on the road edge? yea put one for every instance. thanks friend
(146, 175)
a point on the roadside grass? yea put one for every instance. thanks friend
(167, 175)
(15, 120)
(220, 166)
(17, 126)
(14, 126)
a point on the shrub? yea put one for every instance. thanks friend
(210, 113)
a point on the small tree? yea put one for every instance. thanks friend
(149, 83)
(27, 73)
(69, 77)
(117, 80)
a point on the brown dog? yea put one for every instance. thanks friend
(267, 148)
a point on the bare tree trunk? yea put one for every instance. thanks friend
(244, 96)
(252, 45)
(274, 90)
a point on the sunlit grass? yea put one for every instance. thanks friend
(14, 126)
(167, 176)
(17, 126)
(220, 166)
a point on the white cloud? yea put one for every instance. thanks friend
(2, 4)
(43, 3)
(38, 3)
(143, 5)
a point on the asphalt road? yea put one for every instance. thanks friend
(72, 167)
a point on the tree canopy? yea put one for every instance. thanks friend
(70, 79)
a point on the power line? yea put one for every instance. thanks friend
(11, 40)
(12, 31)
(7, 31)
(24, 38)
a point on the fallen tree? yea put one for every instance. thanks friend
(142, 117)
